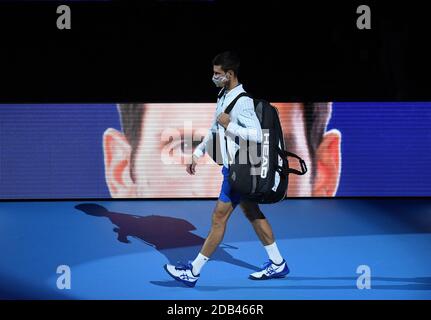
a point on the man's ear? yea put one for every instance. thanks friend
(328, 165)
(117, 159)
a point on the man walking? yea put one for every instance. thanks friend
(241, 122)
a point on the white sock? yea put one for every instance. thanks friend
(198, 263)
(273, 253)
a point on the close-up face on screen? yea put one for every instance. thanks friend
(141, 150)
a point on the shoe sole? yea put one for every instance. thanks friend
(186, 283)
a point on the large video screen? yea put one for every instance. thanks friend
(140, 150)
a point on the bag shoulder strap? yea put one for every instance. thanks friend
(232, 104)
(228, 110)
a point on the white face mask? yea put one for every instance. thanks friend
(220, 81)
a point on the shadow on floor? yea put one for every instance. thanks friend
(171, 236)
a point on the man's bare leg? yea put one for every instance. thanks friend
(220, 216)
(262, 228)
(189, 274)
(260, 225)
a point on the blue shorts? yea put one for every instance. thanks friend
(226, 193)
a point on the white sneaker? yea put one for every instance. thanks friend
(270, 270)
(182, 273)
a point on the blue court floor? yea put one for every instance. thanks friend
(117, 249)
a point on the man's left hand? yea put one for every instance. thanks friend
(223, 119)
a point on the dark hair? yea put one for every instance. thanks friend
(227, 60)
(316, 117)
(131, 119)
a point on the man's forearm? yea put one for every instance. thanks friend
(251, 134)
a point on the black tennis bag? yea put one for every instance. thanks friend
(260, 171)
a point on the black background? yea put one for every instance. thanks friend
(161, 51)
(299, 309)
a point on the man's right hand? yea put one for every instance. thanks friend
(191, 168)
